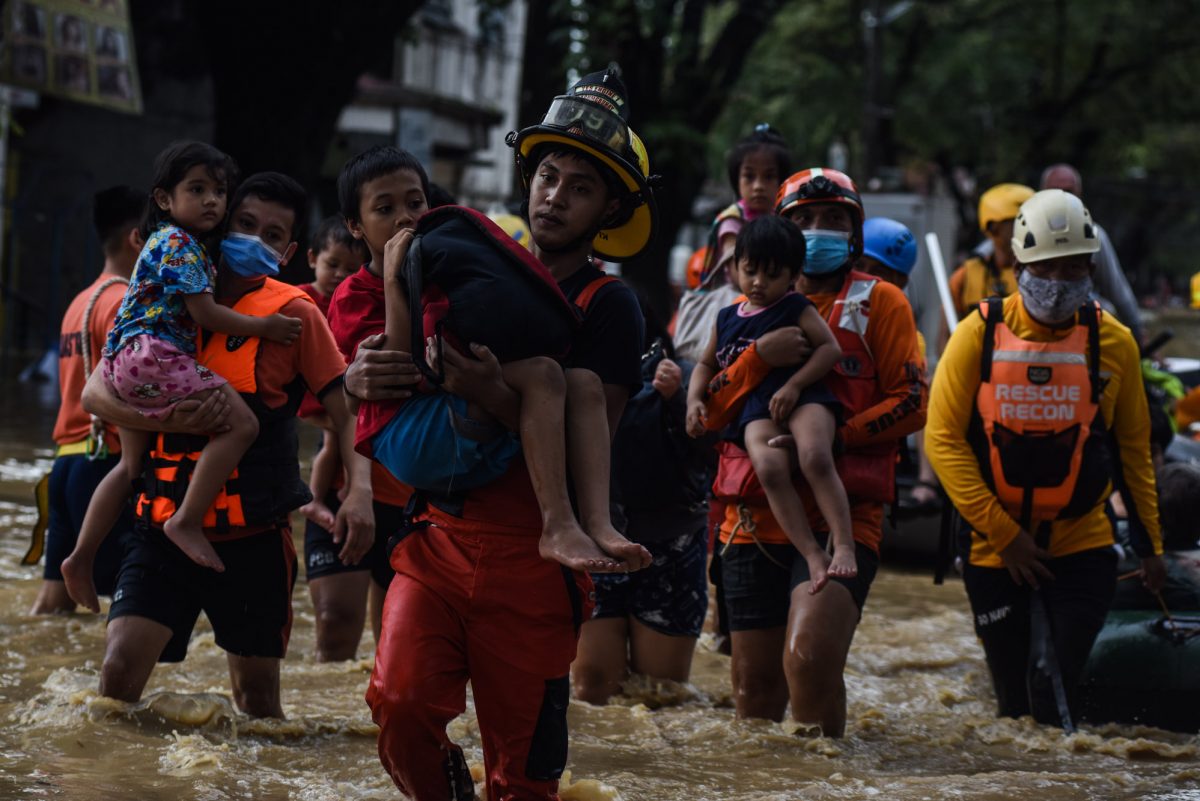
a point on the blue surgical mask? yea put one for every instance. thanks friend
(249, 256)
(825, 251)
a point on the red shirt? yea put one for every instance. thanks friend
(356, 311)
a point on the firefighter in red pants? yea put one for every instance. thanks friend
(472, 599)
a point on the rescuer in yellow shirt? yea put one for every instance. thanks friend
(1037, 412)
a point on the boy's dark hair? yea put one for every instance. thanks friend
(764, 137)
(170, 167)
(1179, 505)
(437, 196)
(333, 231)
(114, 211)
(275, 187)
(772, 244)
(368, 165)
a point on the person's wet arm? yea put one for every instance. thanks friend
(376, 374)
(480, 381)
(950, 405)
(899, 369)
(1134, 471)
(189, 416)
(783, 347)
(354, 526)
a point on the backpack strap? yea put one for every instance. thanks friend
(1090, 316)
(992, 310)
(585, 298)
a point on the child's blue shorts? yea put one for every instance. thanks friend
(432, 445)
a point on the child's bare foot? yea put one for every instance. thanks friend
(319, 513)
(631, 555)
(567, 544)
(191, 541)
(844, 563)
(818, 570)
(77, 575)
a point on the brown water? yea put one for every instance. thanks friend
(921, 722)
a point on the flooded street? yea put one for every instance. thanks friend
(921, 722)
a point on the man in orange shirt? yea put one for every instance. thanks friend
(880, 381)
(160, 592)
(86, 447)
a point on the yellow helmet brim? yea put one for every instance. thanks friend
(621, 242)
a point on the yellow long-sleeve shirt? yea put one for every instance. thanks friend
(1123, 404)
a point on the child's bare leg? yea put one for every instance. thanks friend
(112, 493)
(773, 466)
(542, 387)
(813, 427)
(589, 452)
(217, 462)
(325, 467)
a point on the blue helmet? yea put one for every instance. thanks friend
(890, 243)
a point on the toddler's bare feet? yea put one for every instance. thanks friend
(631, 555)
(77, 575)
(316, 511)
(844, 564)
(818, 570)
(567, 544)
(191, 541)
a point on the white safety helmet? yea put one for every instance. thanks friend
(1051, 224)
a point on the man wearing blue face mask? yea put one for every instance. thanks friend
(880, 381)
(160, 593)
(1038, 412)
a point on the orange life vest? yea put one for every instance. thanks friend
(867, 472)
(983, 279)
(1037, 429)
(266, 485)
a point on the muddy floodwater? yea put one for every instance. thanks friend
(921, 722)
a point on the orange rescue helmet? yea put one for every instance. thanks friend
(823, 185)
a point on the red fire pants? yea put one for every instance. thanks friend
(480, 606)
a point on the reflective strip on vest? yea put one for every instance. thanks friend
(235, 359)
(1038, 412)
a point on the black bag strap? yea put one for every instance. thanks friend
(991, 316)
(413, 274)
(1091, 318)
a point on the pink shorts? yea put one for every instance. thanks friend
(152, 376)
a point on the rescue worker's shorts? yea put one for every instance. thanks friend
(321, 552)
(249, 605)
(73, 482)
(670, 596)
(480, 606)
(759, 581)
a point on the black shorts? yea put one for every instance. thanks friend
(321, 552)
(670, 596)
(249, 605)
(759, 581)
(73, 481)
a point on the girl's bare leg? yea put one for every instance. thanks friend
(217, 462)
(773, 466)
(589, 451)
(542, 387)
(813, 427)
(105, 508)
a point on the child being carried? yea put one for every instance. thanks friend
(438, 441)
(768, 256)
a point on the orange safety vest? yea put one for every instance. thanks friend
(1037, 429)
(867, 472)
(266, 486)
